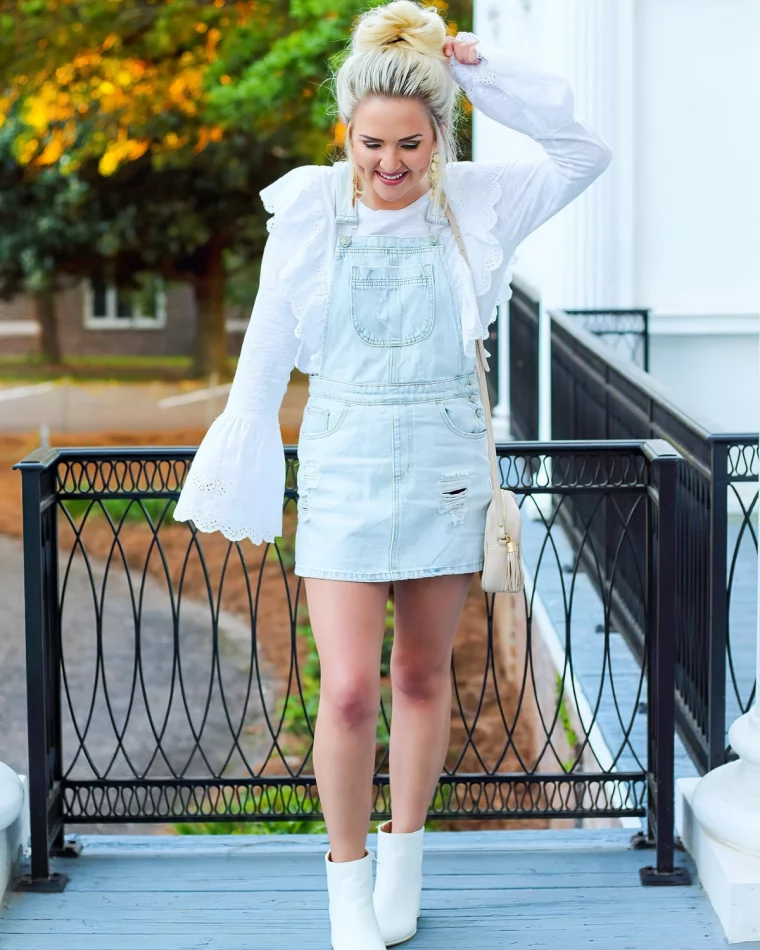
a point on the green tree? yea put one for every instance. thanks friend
(171, 115)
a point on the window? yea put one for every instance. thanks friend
(109, 307)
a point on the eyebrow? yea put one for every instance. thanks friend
(408, 138)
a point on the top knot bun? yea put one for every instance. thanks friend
(401, 24)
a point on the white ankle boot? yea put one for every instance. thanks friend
(398, 884)
(353, 924)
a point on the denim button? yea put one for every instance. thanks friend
(345, 240)
(472, 397)
(433, 239)
(478, 412)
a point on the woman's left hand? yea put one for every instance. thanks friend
(462, 47)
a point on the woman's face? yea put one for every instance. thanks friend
(392, 138)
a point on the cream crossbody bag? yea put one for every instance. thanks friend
(502, 566)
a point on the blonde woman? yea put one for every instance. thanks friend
(363, 287)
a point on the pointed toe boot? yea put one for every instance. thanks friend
(353, 925)
(398, 884)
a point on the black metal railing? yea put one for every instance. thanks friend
(598, 396)
(624, 331)
(523, 364)
(151, 651)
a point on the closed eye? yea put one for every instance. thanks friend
(410, 148)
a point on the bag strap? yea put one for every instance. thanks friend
(482, 369)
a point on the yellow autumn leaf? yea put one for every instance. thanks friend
(203, 140)
(137, 149)
(108, 163)
(52, 151)
(26, 150)
(36, 113)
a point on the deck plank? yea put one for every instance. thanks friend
(533, 890)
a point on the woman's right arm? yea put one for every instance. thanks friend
(236, 482)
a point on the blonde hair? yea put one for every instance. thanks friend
(396, 52)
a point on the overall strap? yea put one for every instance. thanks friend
(347, 214)
(342, 194)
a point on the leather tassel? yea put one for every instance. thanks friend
(515, 580)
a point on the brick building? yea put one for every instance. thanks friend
(96, 319)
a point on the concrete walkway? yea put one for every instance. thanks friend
(126, 407)
(143, 686)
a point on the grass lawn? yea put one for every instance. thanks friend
(98, 368)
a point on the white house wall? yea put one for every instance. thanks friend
(674, 223)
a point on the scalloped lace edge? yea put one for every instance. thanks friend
(478, 225)
(236, 533)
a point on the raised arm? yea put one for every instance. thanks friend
(541, 105)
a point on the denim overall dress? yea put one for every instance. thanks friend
(393, 476)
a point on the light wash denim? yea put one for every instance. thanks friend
(393, 475)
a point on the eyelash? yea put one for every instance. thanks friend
(410, 148)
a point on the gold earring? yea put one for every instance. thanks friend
(434, 172)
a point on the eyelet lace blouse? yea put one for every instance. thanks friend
(236, 482)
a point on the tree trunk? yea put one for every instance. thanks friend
(47, 320)
(210, 352)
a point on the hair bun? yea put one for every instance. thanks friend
(401, 24)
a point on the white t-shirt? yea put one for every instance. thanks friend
(401, 222)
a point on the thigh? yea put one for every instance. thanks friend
(427, 613)
(348, 622)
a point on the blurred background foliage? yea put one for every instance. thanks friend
(135, 136)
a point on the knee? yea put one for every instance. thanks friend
(417, 681)
(354, 701)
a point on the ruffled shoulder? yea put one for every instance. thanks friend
(474, 190)
(300, 202)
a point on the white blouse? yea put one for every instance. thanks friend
(236, 482)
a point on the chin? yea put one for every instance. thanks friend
(390, 193)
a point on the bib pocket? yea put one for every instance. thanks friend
(464, 417)
(392, 305)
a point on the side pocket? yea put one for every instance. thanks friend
(463, 417)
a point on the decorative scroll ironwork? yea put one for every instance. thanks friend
(173, 675)
(624, 331)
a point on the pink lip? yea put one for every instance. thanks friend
(392, 184)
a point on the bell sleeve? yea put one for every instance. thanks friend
(236, 482)
(541, 105)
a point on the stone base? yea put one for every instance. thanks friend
(730, 877)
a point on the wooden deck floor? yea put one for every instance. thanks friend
(531, 890)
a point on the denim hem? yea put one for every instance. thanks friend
(388, 575)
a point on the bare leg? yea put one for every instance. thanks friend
(348, 621)
(427, 613)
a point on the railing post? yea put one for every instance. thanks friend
(661, 683)
(40, 613)
(717, 630)
(646, 340)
